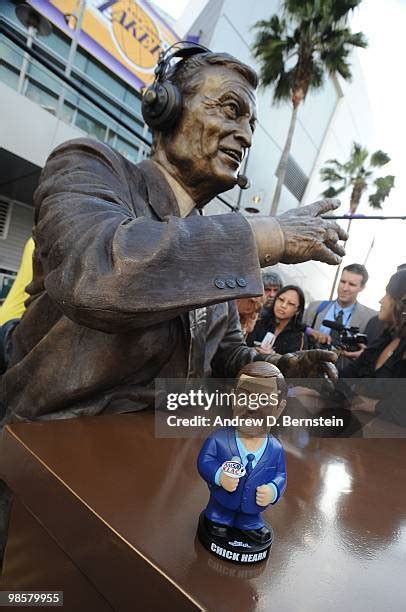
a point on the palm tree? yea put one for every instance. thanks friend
(358, 174)
(297, 50)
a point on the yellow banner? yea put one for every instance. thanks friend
(125, 35)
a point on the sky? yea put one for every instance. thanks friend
(383, 64)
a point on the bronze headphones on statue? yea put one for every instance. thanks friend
(161, 104)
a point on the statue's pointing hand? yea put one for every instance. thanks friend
(308, 236)
(299, 235)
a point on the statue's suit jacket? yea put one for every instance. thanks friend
(221, 446)
(124, 290)
(359, 318)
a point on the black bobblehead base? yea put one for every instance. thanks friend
(233, 544)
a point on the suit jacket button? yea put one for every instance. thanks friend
(220, 284)
(230, 282)
(241, 282)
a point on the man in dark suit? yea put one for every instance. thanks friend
(238, 502)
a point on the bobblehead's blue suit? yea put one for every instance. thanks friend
(239, 509)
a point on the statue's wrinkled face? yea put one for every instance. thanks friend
(214, 131)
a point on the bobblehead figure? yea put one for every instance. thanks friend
(244, 468)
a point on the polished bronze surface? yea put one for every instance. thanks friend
(35, 562)
(109, 493)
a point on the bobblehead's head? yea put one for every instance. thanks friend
(204, 150)
(260, 393)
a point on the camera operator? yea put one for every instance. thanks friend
(345, 311)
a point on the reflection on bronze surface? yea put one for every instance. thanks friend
(341, 522)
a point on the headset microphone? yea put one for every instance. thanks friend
(243, 181)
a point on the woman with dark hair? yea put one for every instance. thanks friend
(284, 321)
(384, 359)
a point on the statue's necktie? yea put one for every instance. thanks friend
(248, 467)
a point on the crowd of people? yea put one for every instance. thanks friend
(370, 345)
(278, 322)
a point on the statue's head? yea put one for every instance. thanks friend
(261, 392)
(204, 140)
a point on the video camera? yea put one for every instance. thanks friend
(349, 337)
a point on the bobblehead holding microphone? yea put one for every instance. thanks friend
(237, 501)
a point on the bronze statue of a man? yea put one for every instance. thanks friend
(130, 282)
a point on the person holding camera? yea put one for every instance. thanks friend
(345, 311)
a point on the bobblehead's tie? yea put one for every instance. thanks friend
(248, 467)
